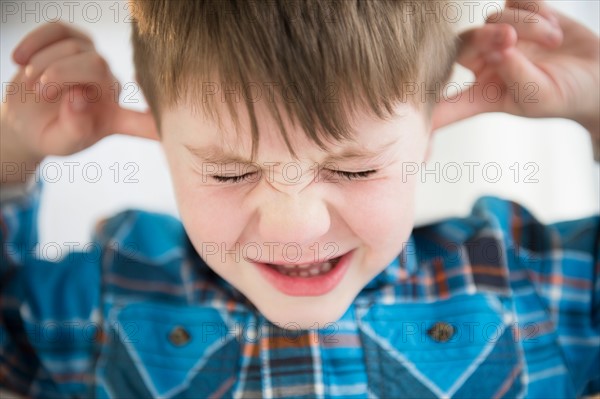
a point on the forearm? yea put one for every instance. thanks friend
(16, 163)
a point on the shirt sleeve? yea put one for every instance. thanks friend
(563, 262)
(49, 327)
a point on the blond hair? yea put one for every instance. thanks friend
(319, 60)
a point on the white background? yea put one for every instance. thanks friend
(567, 184)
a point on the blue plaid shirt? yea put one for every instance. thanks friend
(491, 305)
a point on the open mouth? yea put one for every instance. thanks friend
(306, 270)
(308, 279)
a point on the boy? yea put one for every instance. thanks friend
(295, 271)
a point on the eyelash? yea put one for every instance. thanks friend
(354, 175)
(346, 175)
(232, 179)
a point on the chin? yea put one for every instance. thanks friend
(306, 313)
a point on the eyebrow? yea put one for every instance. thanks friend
(214, 154)
(359, 154)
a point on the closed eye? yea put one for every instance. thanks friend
(234, 179)
(353, 175)
(250, 176)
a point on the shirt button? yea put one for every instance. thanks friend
(179, 336)
(441, 331)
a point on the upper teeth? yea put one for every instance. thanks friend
(305, 270)
(305, 266)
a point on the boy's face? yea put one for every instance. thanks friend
(295, 212)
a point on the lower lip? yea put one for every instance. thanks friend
(307, 286)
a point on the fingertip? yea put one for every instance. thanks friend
(496, 37)
(19, 56)
(28, 71)
(555, 38)
(512, 37)
(505, 36)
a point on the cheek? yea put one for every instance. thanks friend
(211, 218)
(210, 215)
(381, 212)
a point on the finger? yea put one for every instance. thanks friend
(88, 67)
(44, 36)
(447, 113)
(514, 66)
(133, 123)
(530, 27)
(73, 129)
(516, 70)
(542, 8)
(56, 51)
(479, 41)
(463, 105)
(534, 7)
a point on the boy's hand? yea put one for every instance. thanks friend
(546, 64)
(63, 99)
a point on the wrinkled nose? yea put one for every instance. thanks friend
(299, 219)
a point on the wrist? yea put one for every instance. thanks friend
(17, 164)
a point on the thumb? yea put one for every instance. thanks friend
(134, 123)
(464, 104)
(450, 111)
